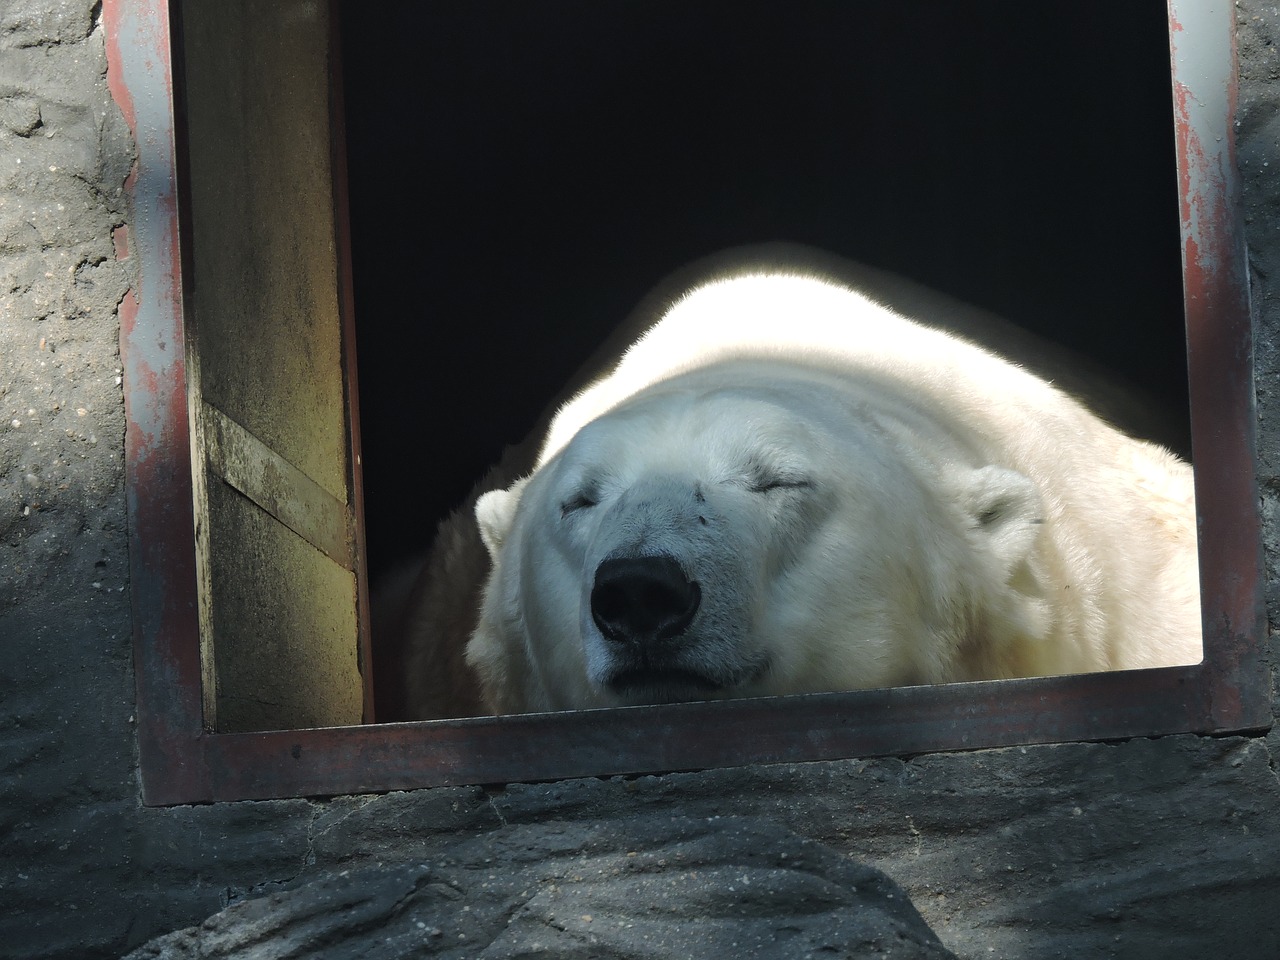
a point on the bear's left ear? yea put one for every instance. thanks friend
(1005, 510)
(495, 513)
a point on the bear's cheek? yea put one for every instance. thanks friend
(828, 610)
(795, 531)
(548, 590)
(731, 557)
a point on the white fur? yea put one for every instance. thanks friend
(863, 501)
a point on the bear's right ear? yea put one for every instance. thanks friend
(1004, 507)
(495, 513)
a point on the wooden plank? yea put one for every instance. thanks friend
(279, 595)
(278, 487)
(350, 369)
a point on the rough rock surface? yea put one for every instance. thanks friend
(650, 887)
(65, 755)
(1143, 849)
(64, 156)
(1258, 38)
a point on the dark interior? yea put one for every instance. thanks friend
(521, 173)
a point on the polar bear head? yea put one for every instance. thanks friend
(750, 529)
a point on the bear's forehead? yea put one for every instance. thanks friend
(723, 424)
(714, 435)
(736, 417)
(713, 396)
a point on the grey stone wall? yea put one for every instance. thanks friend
(67, 793)
(1148, 848)
(1258, 38)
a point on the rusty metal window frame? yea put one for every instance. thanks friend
(183, 762)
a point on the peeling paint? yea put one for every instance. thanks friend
(157, 462)
(1219, 345)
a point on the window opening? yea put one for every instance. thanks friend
(184, 760)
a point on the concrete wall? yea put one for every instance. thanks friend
(1150, 848)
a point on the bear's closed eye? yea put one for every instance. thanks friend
(581, 500)
(769, 484)
(761, 475)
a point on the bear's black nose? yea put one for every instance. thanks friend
(638, 599)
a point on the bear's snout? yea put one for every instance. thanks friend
(643, 599)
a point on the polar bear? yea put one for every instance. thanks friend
(785, 487)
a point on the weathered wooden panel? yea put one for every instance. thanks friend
(284, 617)
(266, 301)
(277, 541)
(277, 486)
